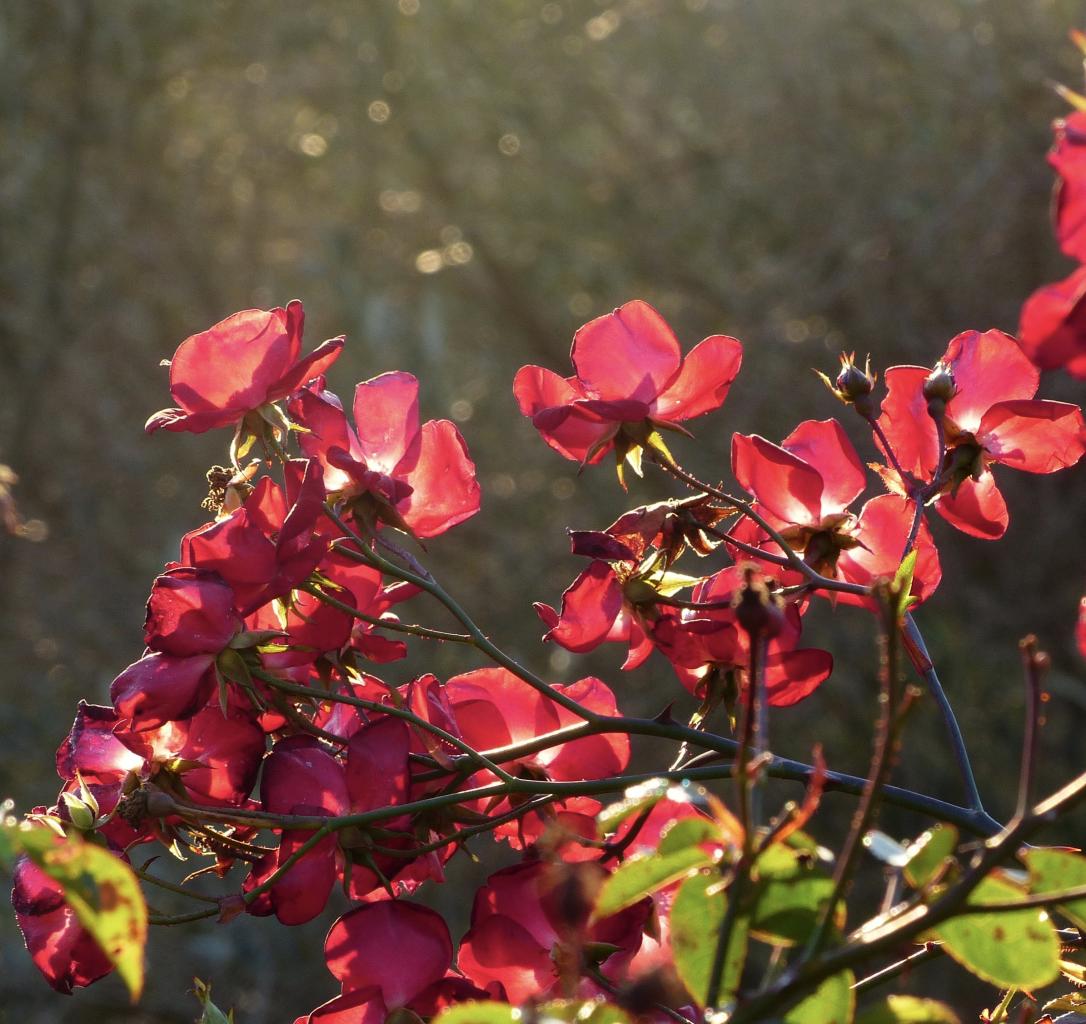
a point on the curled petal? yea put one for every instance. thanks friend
(906, 423)
(977, 509)
(92, 749)
(593, 757)
(190, 611)
(160, 688)
(386, 418)
(987, 368)
(882, 529)
(1068, 157)
(302, 892)
(58, 944)
(703, 381)
(231, 367)
(300, 773)
(1036, 436)
(500, 951)
(589, 609)
(305, 369)
(1052, 331)
(494, 708)
(377, 766)
(229, 751)
(793, 675)
(364, 1006)
(576, 432)
(537, 388)
(824, 445)
(781, 481)
(441, 476)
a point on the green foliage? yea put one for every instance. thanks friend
(1057, 870)
(101, 889)
(640, 876)
(212, 1014)
(1008, 948)
(908, 1010)
(479, 1013)
(791, 894)
(929, 853)
(575, 1011)
(833, 1002)
(696, 916)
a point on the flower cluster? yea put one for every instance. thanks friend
(256, 730)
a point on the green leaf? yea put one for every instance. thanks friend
(670, 583)
(105, 896)
(928, 853)
(1054, 871)
(696, 915)
(903, 584)
(908, 1010)
(1067, 1003)
(791, 894)
(640, 876)
(582, 1011)
(687, 832)
(101, 889)
(1011, 949)
(833, 1002)
(212, 1014)
(479, 1013)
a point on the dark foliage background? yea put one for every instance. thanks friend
(458, 185)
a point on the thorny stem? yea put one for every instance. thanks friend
(928, 951)
(750, 549)
(887, 448)
(803, 978)
(162, 883)
(894, 706)
(391, 624)
(926, 670)
(735, 896)
(912, 632)
(535, 804)
(478, 637)
(388, 709)
(1035, 663)
(747, 509)
(780, 768)
(195, 915)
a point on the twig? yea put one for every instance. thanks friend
(926, 670)
(1036, 664)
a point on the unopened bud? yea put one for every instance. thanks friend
(854, 386)
(80, 815)
(939, 388)
(757, 608)
(852, 381)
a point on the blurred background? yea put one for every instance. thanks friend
(458, 185)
